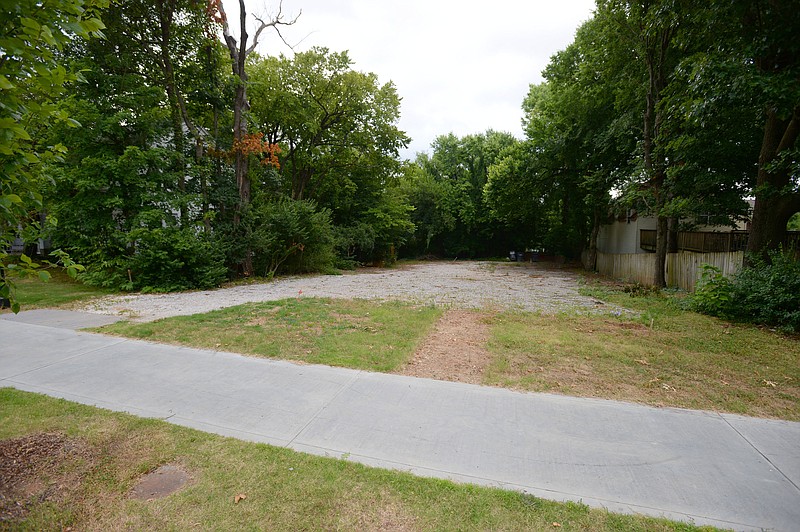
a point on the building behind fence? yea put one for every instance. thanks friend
(725, 250)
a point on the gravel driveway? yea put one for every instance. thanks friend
(533, 287)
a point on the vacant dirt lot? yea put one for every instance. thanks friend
(461, 285)
(471, 292)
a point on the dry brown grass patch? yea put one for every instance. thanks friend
(374, 512)
(38, 468)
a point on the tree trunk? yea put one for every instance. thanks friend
(591, 259)
(239, 52)
(672, 235)
(656, 49)
(239, 133)
(166, 13)
(774, 205)
(241, 166)
(660, 278)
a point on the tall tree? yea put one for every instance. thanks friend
(579, 146)
(648, 28)
(332, 121)
(736, 95)
(337, 130)
(239, 51)
(163, 43)
(125, 190)
(460, 166)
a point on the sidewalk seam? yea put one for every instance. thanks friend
(313, 417)
(751, 444)
(77, 355)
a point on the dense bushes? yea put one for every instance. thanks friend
(173, 258)
(283, 236)
(160, 260)
(770, 293)
(292, 237)
(765, 292)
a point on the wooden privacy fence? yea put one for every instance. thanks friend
(712, 242)
(683, 268)
(630, 267)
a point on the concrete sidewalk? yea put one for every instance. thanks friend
(719, 469)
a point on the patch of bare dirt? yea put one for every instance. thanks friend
(455, 350)
(40, 468)
(157, 484)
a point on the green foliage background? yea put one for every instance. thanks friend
(116, 122)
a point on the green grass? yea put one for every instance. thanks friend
(285, 490)
(351, 333)
(61, 290)
(667, 356)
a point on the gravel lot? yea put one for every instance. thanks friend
(534, 287)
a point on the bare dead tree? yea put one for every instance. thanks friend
(239, 50)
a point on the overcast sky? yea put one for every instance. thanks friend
(460, 66)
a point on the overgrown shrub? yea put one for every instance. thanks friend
(765, 292)
(769, 293)
(162, 259)
(713, 293)
(291, 236)
(354, 245)
(171, 258)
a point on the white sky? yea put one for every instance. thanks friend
(460, 66)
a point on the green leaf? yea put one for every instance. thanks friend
(11, 124)
(15, 307)
(92, 25)
(30, 23)
(12, 198)
(5, 84)
(44, 276)
(47, 35)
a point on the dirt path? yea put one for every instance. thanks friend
(455, 350)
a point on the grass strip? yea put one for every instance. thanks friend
(88, 488)
(667, 356)
(59, 291)
(350, 333)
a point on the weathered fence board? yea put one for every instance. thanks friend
(683, 268)
(631, 267)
